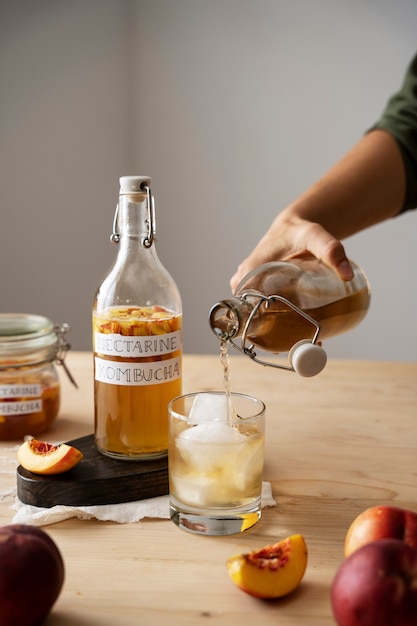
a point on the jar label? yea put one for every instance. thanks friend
(21, 407)
(9, 392)
(123, 373)
(128, 346)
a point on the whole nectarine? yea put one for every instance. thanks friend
(377, 586)
(381, 522)
(31, 575)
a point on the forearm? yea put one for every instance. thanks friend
(364, 188)
(367, 186)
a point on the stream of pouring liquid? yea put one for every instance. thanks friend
(224, 359)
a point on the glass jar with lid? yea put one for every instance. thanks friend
(30, 393)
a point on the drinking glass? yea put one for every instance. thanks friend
(215, 461)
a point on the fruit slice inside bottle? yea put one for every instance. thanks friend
(131, 420)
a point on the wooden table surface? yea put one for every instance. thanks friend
(335, 444)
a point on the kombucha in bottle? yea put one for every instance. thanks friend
(137, 336)
(280, 304)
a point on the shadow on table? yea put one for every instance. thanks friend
(57, 618)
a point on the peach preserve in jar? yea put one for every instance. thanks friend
(29, 383)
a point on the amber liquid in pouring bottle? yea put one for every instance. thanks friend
(276, 304)
(137, 336)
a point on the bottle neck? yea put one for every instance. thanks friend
(228, 317)
(134, 226)
(133, 216)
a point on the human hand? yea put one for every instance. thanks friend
(291, 237)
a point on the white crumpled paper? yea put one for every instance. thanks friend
(123, 513)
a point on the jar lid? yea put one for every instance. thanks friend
(14, 325)
(22, 333)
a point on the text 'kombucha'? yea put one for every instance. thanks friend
(137, 364)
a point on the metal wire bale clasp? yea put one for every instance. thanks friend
(115, 236)
(151, 220)
(62, 347)
(267, 300)
(148, 241)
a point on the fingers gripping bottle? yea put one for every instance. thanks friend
(291, 306)
(137, 337)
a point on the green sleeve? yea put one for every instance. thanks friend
(400, 119)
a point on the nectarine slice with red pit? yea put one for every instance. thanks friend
(273, 571)
(41, 457)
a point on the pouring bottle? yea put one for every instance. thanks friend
(291, 306)
(137, 337)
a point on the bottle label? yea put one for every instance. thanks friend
(10, 392)
(21, 407)
(128, 373)
(128, 346)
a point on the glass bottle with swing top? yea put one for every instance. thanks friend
(137, 335)
(291, 306)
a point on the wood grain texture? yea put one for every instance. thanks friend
(97, 479)
(335, 445)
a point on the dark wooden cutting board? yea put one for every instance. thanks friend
(96, 479)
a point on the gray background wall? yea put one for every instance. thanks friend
(232, 106)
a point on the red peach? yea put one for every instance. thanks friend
(377, 586)
(31, 575)
(380, 522)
